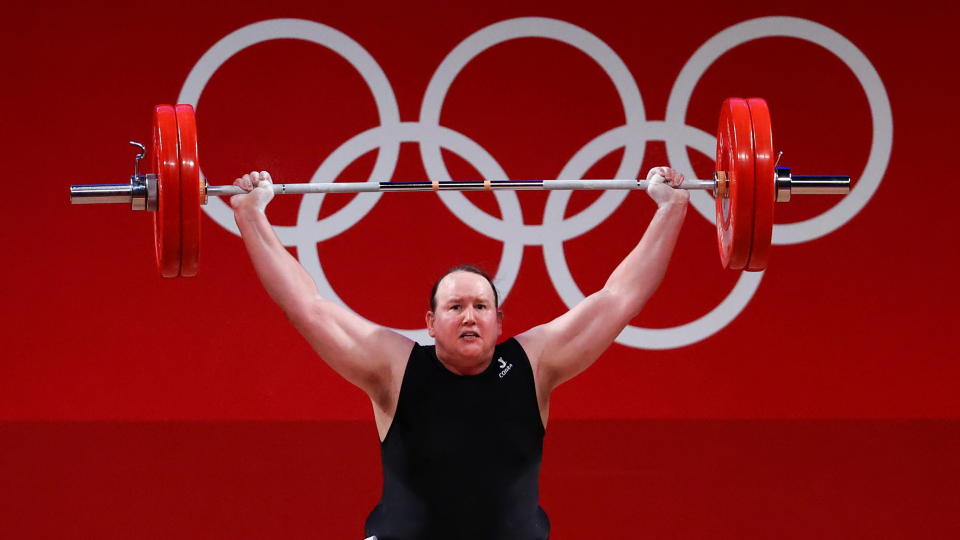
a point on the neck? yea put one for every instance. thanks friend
(463, 366)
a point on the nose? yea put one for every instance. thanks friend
(469, 316)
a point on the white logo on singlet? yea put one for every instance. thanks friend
(504, 367)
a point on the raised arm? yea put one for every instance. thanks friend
(567, 345)
(368, 355)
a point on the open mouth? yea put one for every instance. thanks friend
(469, 335)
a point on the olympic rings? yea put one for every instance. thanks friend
(632, 136)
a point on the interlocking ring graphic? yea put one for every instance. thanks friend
(632, 136)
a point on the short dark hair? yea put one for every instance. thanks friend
(464, 268)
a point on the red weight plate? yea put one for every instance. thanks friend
(166, 219)
(191, 191)
(765, 190)
(735, 159)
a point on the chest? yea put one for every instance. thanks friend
(449, 422)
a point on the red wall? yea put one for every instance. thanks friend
(852, 320)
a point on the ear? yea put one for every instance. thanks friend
(499, 322)
(429, 319)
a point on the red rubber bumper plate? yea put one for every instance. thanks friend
(191, 191)
(765, 190)
(166, 219)
(735, 160)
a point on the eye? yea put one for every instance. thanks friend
(455, 306)
(481, 306)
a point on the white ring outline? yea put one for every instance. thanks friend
(476, 156)
(842, 48)
(677, 131)
(532, 27)
(636, 336)
(338, 42)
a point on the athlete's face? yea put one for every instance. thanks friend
(466, 323)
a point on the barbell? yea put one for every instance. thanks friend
(746, 185)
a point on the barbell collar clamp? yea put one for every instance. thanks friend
(721, 187)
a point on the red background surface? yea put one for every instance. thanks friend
(137, 407)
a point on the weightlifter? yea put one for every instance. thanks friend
(461, 423)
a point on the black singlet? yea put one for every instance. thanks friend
(461, 460)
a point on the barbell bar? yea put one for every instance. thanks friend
(129, 194)
(746, 185)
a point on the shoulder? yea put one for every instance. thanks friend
(509, 346)
(512, 350)
(420, 354)
(531, 343)
(421, 361)
(385, 392)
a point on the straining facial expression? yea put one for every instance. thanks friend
(465, 320)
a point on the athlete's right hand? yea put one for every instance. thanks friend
(259, 191)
